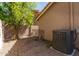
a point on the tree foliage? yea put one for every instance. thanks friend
(17, 13)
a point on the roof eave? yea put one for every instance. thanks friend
(44, 10)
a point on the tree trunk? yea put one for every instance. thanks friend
(16, 33)
(29, 31)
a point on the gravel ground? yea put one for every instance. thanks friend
(29, 47)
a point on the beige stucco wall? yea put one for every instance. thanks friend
(56, 17)
(76, 21)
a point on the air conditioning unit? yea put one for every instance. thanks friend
(63, 40)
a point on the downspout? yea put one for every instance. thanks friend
(71, 16)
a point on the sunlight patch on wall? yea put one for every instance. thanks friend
(1, 35)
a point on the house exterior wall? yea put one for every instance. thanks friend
(76, 21)
(56, 17)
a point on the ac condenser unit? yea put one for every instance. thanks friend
(63, 40)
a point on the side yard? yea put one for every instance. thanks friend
(29, 47)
